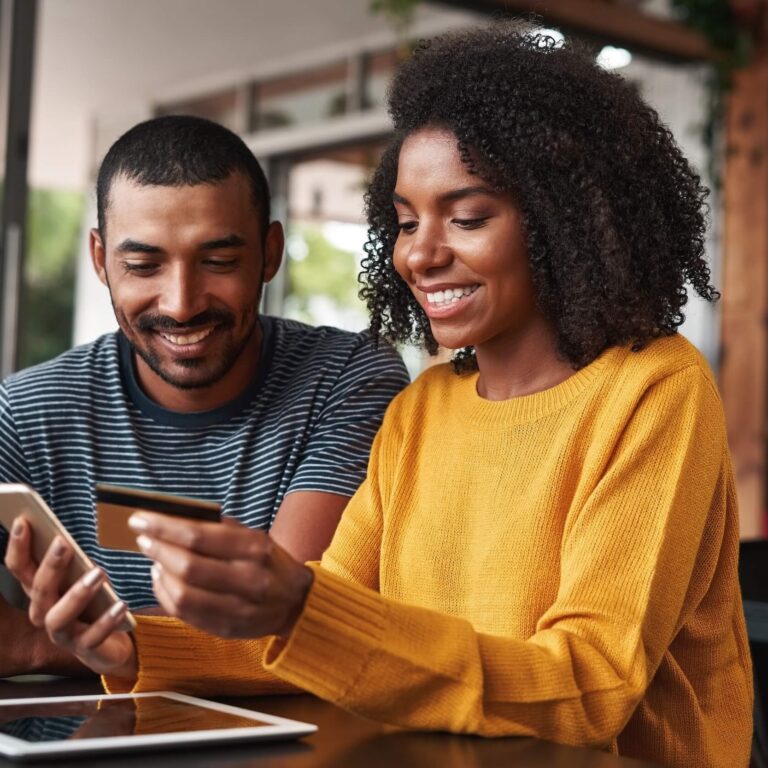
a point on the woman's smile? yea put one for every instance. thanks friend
(446, 301)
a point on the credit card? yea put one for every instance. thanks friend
(116, 503)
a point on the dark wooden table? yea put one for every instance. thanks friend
(342, 741)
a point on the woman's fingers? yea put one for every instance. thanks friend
(161, 592)
(62, 618)
(225, 615)
(94, 635)
(47, 583)
(99, 645)
(18, 556)
(235, 598)
(225, 541)
(241, 577)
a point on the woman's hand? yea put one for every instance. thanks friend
(223, 578)
(100, 645)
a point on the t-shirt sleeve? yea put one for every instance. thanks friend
(13, 468)
(335, 457)
(354, 552)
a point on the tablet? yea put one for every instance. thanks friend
(64, 726)
(19, 499)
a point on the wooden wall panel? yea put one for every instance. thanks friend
(619, 23)
(744, 362)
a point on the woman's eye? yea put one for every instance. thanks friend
(471, 223)
(407, 226)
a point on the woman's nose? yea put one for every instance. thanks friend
(428, 250)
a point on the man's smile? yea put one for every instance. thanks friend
(184, 339)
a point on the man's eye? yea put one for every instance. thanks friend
(139, 268)
(222, 264)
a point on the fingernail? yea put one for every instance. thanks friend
(92, 577)
(117, 609)
(138, 523)
(18, 528)
(144, 542)
(156, 571)
(59, 548)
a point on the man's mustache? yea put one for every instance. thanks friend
(156, 322)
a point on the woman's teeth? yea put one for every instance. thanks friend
(450, 295)
(182, 339)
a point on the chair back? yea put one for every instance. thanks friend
(753, 577)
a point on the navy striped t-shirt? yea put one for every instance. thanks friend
(305, 423)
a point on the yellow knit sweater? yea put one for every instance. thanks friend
(561, 565)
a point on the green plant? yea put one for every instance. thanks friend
(399, 12)
(48, 289)
(322, 270)
(716, 20)
(400, 15)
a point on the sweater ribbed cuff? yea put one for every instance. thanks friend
(175, 656)
(340, 627)
(160, 649)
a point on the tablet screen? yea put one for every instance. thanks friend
(67, 725)
(108, 717)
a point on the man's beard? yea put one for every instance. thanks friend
(227, 356)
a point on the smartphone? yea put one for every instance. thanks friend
(18, 499)
(116, 503)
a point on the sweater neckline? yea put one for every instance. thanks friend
(526, 408)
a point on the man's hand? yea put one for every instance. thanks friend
(100, 645)
(27, 649)
(223, 578)
(16, 640)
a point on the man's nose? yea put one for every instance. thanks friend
(181, 297)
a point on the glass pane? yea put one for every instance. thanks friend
(379, 69)
(4, 84)
(302, 98)
(326, 231)
(223, 107)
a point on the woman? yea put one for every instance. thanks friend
(547, 540)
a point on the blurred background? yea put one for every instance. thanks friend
(304, 84)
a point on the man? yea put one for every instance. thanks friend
(196, 394)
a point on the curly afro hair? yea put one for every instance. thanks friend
(613, 215)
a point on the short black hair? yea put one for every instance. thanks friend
(613, 215)
(176, 151)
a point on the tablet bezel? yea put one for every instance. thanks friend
(275, 728)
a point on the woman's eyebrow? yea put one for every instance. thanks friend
(454, 194)
(399, 199)
(459, 194)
